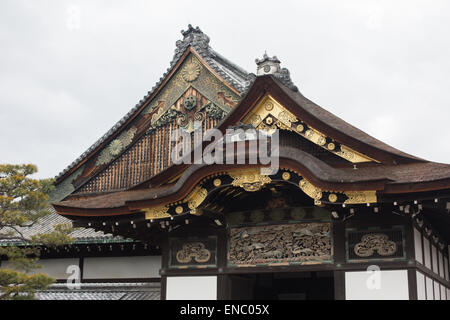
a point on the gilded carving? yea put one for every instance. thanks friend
(361, 197)
(375, 242)
(193, 251)
(217, 182)
(280, 244)
(332, 197)
(191, 70)
(311, 190)
(159, 212)
(286, 176)
(196, 197)
(287, 121)
(250, 180)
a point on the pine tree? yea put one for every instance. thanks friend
(23, 201)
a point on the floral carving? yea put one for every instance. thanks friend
(191, 71)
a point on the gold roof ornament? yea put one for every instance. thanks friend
(269, 108)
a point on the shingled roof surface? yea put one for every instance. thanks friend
(339, 124)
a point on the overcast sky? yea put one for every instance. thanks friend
(69, 70)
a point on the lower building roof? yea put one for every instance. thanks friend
(102, 291)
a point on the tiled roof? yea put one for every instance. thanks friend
(236, 76)
(48, 223)
(102, 291)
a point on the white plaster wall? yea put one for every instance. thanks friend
(427, 252)
(191, 288)
(55, 268)
(446, 269)
(441, 264)
(430, 289)
(122, 267)
(434, 259)
(437, 291)
(418, 245)
(443, 293)
(421, 291)
(393, 285)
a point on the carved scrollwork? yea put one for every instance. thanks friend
(372, 242)
(193, 250)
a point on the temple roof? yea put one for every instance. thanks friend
(368, 164)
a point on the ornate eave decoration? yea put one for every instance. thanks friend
(269, 115)
(252, 180)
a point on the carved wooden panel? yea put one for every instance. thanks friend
(193, 252)
(281, 244)
(375, 244)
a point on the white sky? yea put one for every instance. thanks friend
(69, 70)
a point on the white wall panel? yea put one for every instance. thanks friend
(427, 252)
(437, 291)
(443, 293)
(430, 288)
(441, 264)
(122, 267)
(446, 275)
(191, 288)
(421, 291)
(418, 245)
(435, 259)
(393, 285)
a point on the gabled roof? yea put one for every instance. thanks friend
(194, 40)
(393, 172)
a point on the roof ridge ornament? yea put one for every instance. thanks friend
(192, 36)
(271, 65)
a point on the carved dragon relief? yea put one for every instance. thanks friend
(269, 115)
(281, 244)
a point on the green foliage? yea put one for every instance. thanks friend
(17, 285)
(23, 201)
